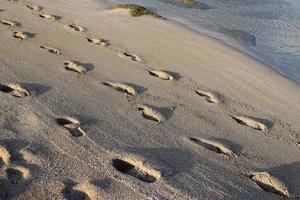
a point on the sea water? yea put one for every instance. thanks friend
(266, 29)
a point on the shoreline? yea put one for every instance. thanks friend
(108, 106)
(237, 47)
(231, 43)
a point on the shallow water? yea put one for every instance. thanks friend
(266, 29)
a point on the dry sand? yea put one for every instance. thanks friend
(120, 152)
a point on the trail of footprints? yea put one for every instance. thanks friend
(126, 165)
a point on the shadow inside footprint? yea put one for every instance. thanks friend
(1, 10)
(14, 176)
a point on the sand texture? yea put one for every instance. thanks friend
(96, 104)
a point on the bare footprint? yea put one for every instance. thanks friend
(34, 8)
(131, 57)
(100, 42)
(161, 74)
(137, 169)
(47, 16)
(122, 87)
(51, 50)
(269, 183)
(17, 174)
(14, 89)
(210, 97)
(250, 122)
(85, 190)
(213, 145)
(75, 27)
(151, 114)
(75, 67)
(21, 35)
(4, 157)
(72, 124)
(29, 156)
(9, 23)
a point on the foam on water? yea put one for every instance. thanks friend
(268, 29)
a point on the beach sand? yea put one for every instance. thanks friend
(93, 120)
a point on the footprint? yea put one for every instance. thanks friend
(5, 158)
(122, 87)
(137, 169)
(75, 27)
(210, 97)
(151, 114)
(161, 74)
(29, 156)
(47, 16)
(100, 42)
(250, 122)
(34, 8)
(76, 67)
(21, 35)
(269, 183)
(72, 124)
(132, 57)
(85, 190)
(15, 89)
(213, 145)
(17, 174)
(51, 50)
(9, 23)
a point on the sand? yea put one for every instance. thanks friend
(120, 151)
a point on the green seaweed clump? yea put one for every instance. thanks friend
(135, 10)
